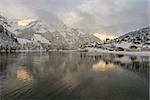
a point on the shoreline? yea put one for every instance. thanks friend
(20, 51)
(136, 53)
(88, 50)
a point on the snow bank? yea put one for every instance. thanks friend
(23, 41)
(125, 45)
(40, 38)
(140, 53)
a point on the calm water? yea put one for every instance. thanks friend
(73, 76)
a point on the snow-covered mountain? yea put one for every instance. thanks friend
(138, 40)
(37, 33)
(50, 34)
(7, 38)
(135, 39)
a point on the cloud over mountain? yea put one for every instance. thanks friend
(111, 16)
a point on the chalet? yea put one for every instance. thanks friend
(117, 41)
(133, 47)
(107, 39)
(146, 47)
(98, 46)
(120, 49)
(147, 43)
(137, 42)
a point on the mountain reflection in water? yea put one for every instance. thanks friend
(73, 75)
(23, 74)
(102, 66)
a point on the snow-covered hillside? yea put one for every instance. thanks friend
(133, 41)
(36, 33)
(139, 39)
(51, 33)
(7, 39)
(54, 37)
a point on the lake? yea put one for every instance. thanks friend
(73, 76)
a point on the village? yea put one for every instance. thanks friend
(133, 41)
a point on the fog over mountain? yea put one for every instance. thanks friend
(66, 24)
(44, 32)
(96, 16)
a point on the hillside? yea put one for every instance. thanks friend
(39, 34)
(138, 40)
(7, 39)
(52, 33)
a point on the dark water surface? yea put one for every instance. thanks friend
(73, 76)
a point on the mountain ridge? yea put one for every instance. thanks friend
(138, 40)
(40, 35)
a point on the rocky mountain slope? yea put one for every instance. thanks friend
(64, 38)
(7, 38)
(56, 35)
(35, 34)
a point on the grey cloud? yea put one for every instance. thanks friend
(120, 17)
(112, 16)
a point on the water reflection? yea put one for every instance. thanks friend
(61, 75)
(23, 75)
(102, 66)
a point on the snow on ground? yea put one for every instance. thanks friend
(140, 53)
(23, 41)
(41, 50)
(37, 38)
(41, 30)
(146, 46)
(107, 45)
(125, 45)
(124, 59)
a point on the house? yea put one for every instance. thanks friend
(146, 47)
(137, 42)
(98, 45)
(119, 49)
(107, 39)
(133, 48)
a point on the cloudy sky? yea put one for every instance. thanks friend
(110, 16)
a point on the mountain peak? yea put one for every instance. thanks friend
(48, 31)
(25, 22)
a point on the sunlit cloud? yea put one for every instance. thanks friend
(110, 16)
(104, 36)
(25, 22)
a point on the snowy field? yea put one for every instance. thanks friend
(140, 53)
